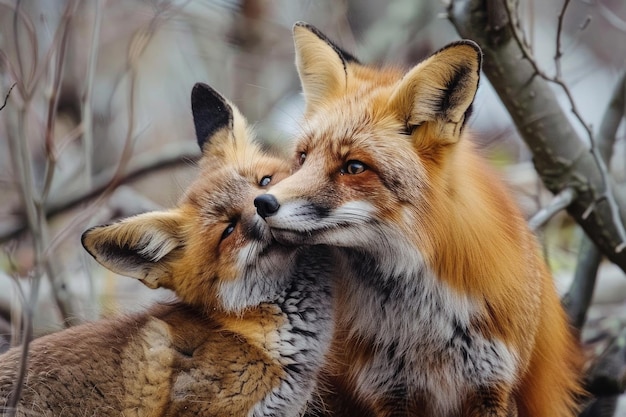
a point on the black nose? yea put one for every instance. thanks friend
(266, 205)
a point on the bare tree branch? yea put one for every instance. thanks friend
(182, 153)
(86, 101)
(579, 295)
(578, 298)
(560, 202)
(561, 157)
(613, 116)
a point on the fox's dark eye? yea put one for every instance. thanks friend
(229, 230)
(353, 167)
(265, 181)
(301, 158)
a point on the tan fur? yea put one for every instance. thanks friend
(234, 344)
(162, 362)
(447, 306)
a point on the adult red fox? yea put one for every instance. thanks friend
(447, 308)
(253, 323)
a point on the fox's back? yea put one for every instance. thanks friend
(159, 362)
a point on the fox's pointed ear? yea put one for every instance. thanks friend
(322, 65)
(211, 113)
(140, 247)
(440, 89)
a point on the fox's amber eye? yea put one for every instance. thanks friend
(353, 167)
(265, 181)
(302, 158)
(229, 230)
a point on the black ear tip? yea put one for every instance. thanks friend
(198, 86)
(301, 24)
(83, 239)
(211, 112)
(202, 92)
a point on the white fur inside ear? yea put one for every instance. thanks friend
(155, 244)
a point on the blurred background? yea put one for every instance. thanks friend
(97, 123)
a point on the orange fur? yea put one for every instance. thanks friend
(447, 307)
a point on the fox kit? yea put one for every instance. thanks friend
(253, 323)
(447, 308)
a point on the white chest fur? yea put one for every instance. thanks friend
(425, 342)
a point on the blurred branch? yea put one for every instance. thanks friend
(138, 44)
(580, 293)
(402, 21)
(60, 289)
(182, 153)
(610, 16)
(20, 156)
(560, 202)
(86, 102)
(127, 169)
(30, 29)
(561, 157)
(612, 118)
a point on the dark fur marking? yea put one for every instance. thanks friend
(124, 255)
(96, 389)
(448, 100)
(479, 57)
(210, 111)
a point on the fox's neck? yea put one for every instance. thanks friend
(301, 342)
(474, 237)
(398, 304)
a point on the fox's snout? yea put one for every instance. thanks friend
(266, 205)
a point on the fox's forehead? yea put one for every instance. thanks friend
(221, 193)
(347, 126)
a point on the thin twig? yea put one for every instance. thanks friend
(559, 33)
(25, 83)
(16, 35)
(559, 202)
(53, 104)
(87, 110)
(6, 98)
